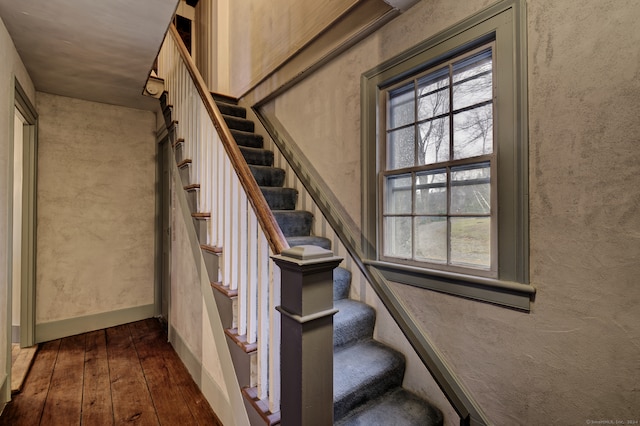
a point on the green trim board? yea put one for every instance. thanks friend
(69, 327)
(504, 22)
(512, 295)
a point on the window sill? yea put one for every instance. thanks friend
(504, 293)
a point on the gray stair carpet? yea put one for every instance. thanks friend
(367, 374)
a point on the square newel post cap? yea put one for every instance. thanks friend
(306, 255)
(306, 281)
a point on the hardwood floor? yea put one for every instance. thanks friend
(122, 375)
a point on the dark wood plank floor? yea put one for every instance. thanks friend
(122, 375)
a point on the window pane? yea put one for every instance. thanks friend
(398, 195)
(400, 149)
(471, 241)
(471, 190)
(397, 237)
(431, 192)
(431, 239)
(472, 80)
(473, 132)
(433, 145)
(433, 94)
(402, 106)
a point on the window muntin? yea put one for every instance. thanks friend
(438, 199)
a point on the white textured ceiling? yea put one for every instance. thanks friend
(97, 50)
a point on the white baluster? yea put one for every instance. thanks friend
(252, 277)
(243, 295)
(274, 339)
(263, 315)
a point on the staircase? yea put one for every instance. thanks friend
(367, 374)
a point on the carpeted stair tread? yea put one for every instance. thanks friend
(231, 109)
(309, 240)
(353, 322)
(237, 123)
(257, 156)
(396, 408)
(341, 283)
(280, 198)
(294, 223)
(248, 139)
(361, 372)
(267, 176)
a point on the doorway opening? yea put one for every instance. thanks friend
(23, 241)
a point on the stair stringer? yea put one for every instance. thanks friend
(347, 243)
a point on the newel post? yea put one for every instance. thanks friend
(306, 350)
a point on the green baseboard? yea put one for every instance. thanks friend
(216, 397)
(69, 327)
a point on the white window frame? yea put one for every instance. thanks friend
(504, 24)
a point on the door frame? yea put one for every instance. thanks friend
(29, 214)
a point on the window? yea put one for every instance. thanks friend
(445, 161)
(437, 204)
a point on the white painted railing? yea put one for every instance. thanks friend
(241, 224)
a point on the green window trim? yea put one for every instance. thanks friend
(505, 24)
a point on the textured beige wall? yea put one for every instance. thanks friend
(263, 33)
(576, 356)
(11, 66)
(96, 208)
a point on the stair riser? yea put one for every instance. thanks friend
(353, 322)
(211, 263)
(192, 200)
(237, 123)
(341, 283)
(280, 198)
(185, 173)
(243, 362)
(293, 224)
(268, 176)
(366, 393)
(250, 140)
(257, 157)
(201, 229)
(232, 110)
(179, 152)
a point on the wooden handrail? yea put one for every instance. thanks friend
(267, 221)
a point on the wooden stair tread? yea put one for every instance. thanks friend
(241, 340)
(261, 406)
